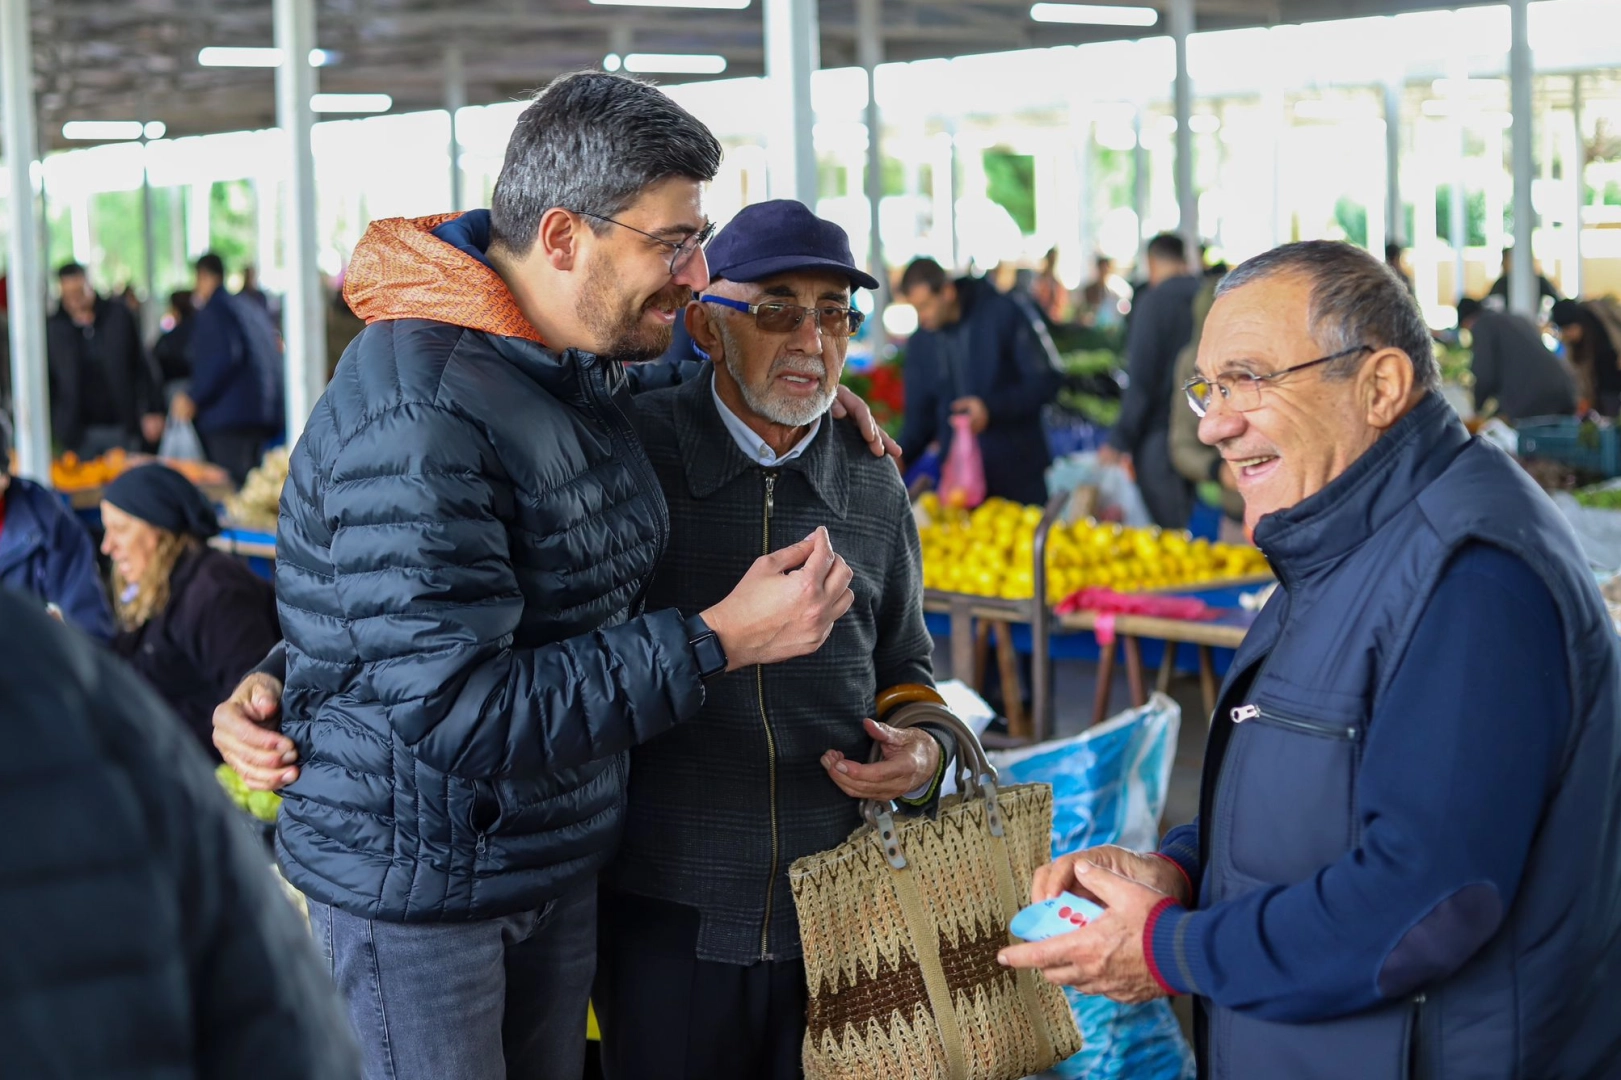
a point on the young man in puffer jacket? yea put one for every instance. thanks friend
(466, 537)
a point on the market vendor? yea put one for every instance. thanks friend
(1513, 367)
(1406, 856)
(976, 352)
(192, 620)
(47, 552)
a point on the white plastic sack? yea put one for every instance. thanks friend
(1109, 787)
(1115, 487)
(180, 441)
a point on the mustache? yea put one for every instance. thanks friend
(809, 366)
(671, 299)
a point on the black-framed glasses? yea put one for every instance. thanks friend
(781, 317)
(1241, 392)
(681, 252)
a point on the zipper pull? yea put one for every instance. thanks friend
(1245, 712)
(479, 847)
(770, 492)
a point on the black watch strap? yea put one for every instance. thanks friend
(706, 648)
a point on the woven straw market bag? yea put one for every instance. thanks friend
(901, 925)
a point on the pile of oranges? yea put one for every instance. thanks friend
(68, 473)
(991, 552)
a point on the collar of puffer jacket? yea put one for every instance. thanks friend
(402, 270)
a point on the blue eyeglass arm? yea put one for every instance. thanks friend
(735, 305)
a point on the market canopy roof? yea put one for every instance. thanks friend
(137, 59)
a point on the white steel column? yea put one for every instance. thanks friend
(1458, 225)
(870, 48)
(792, 53)
(455, 101)
(30, 407)
(1139, 188)
(1395, 219)
(1179, 15)
(1575, 168)
(1523, 296)
(152, 310)
(304, 319)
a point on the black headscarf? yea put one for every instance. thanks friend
(162, 497)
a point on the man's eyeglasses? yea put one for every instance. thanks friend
(681, 252)
(781, 317)
(1241, 392)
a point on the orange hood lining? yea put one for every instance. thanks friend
(400, 270)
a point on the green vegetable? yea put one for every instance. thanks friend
(1600, 498)
(261, 804)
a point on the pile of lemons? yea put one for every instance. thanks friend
(991, 552)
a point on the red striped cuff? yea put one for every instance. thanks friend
(1179, 869)
(1148, 943)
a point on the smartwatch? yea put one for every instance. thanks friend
(706, 648)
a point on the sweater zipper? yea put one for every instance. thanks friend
(770, 738)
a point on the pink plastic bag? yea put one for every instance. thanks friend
(962, 479)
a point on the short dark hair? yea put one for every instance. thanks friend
(591, 142)
(1468, 308)
(210, 263)
(925, 272)
(1355, 300)
(1568, 312)
(69, 269)
(1393, 251)
(1168, 246)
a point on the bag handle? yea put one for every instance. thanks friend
(976, 776)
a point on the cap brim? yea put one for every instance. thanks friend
(760, 269)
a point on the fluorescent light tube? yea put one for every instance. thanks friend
(223, 56)
(714, 5)
(102, 130)
(1094, 14)
(351, 103)
(675, 63)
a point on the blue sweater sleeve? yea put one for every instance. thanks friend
(1459, 762)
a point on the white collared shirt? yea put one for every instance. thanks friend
(755, 448)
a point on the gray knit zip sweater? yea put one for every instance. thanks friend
(722, 804)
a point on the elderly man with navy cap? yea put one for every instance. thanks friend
(699, 968)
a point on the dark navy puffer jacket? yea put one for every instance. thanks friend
(468, 526)
(142, 934)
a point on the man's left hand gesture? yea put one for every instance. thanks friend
(1106, 956)
(910, 758)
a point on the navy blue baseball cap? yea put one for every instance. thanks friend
(770, 238)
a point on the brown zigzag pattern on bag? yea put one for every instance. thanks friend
(969, 963)
(868, 1010)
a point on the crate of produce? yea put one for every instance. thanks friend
(1584, 445)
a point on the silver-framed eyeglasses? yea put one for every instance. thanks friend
(1241, 391)
(681, 252)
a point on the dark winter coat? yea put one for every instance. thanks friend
(466, 535)
(721, 806)
(991, 353)
(99, 375)
(220, 621)
(141, 933)
(45, 550)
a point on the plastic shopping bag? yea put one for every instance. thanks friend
(1109, 787)
(962, 480)
(180, 441)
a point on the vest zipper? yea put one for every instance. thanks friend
(1417, 1066)
(770, 738)
(1348, 732)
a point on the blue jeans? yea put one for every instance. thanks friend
(501, 998)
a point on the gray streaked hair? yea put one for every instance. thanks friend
(1355, 300)
(592, 142)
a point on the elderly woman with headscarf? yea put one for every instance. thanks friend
(192, 620)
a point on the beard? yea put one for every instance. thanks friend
(615, 319)
(763, 401)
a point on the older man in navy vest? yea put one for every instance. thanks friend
(1408, 855)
